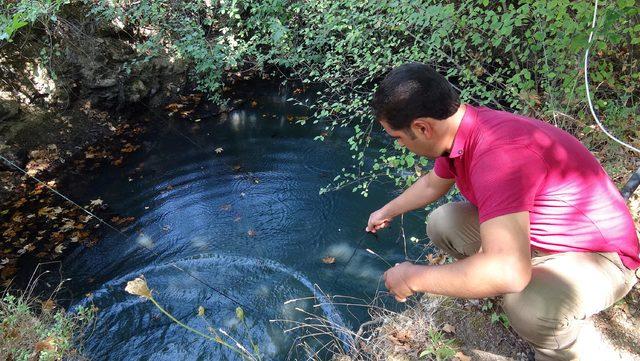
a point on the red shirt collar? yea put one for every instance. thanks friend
(467, 124)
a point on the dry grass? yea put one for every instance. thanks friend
(34, 329)
(429, 328)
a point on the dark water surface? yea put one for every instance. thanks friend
(249, 221)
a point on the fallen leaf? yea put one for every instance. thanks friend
(122, 220)
(461, 357)
(49, 344)
(400, 337)
(251, 233)
(328, 260)
(60, 248)
(200, 311)
(219, 150)
(48, 305)
(254, 103)
(449, 328)
(129, 148)
(96, 202)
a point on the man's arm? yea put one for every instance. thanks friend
(425, 190)
(503, 265)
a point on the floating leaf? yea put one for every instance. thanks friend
(240, 313)
(200, 311)
(328, 260)
(219, 150)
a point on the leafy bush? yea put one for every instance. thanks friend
(524, 56)
(30, 331)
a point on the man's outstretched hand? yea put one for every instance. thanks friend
(378, 220)
(396, 280)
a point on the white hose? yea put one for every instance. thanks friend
(586, 83)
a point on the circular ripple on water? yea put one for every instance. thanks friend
(321, 161)
(130, 328)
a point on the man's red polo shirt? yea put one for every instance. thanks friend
(505, 163)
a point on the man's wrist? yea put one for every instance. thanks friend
(388, 212)
(413, 277)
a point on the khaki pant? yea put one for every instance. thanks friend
(565, 288)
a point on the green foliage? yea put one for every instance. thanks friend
(440, 348)
(28, 332)
(500, 317)
(524, 56)
(496, 314)
(18, 14)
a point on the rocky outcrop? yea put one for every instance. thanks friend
(69, 101)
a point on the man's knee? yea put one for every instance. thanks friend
(454, 228)
(437, 223)
(545, 316)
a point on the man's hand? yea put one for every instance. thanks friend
(396, 280)
(378, 220)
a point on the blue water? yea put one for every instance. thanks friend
(248, 221)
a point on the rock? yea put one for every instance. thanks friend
(137, 90)
(105, 83)
(8, 110)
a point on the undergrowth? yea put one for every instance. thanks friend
(34, 329)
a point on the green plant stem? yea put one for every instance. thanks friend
(189, 328)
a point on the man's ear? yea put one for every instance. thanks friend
(422, 126)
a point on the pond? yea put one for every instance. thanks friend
(234, 202)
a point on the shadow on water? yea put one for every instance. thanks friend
(248, 219)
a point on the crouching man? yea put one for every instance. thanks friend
(544, 225)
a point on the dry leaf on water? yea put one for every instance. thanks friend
(219, 150)
(328, 260)
(97, 202)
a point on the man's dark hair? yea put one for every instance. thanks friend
(411, 91)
